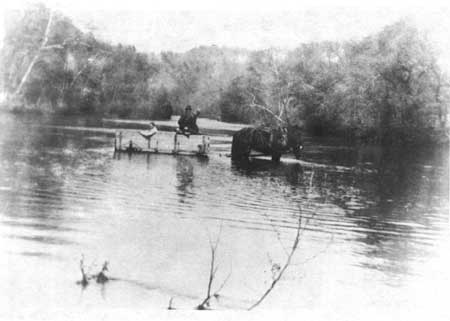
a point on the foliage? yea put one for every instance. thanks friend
(73, 72)
(385, 86)
(233, 103)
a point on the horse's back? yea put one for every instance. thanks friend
(250, 138)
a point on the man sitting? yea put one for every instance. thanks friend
(188, 122)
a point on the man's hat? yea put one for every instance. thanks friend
(188, 107)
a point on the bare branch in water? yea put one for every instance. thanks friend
(84, 277)
(277, 233)
(216, 293)
(101, 276)
(285, 266)
(294, 247)
(170, 307)
(212, 274)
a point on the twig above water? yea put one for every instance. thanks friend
(212, 274)
(294, 247)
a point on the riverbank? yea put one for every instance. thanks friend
(211, 127)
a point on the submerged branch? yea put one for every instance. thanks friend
(289, 258)
(84, 277)
(283, 269)
(212, 274)
(100, 277)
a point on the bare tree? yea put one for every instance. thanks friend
(442, 84)
(253, 104)
(274, 86)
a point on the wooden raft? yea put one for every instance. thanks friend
(165, 143)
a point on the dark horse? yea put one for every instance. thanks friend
(274, 142)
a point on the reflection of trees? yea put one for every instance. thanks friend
(387, 203)
(399, 189)
(185, 177)
(41, 166)
(23, 152)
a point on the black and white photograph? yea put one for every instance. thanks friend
(198, 160)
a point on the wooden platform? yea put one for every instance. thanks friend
(207, 126)
(163, 142)
(161, 152)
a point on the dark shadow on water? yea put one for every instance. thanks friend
(293, 173)
(38, 226)
(253, 165)
(36, 254)
(395, 211)
(46, 240)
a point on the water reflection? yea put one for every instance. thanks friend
(394, 204)
(33, 179)
(292, 173)
(63, 194)
(45, 169)
(185, 178)
(393, 208)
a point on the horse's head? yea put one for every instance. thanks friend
(294, 140)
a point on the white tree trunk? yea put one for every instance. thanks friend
(36, 57)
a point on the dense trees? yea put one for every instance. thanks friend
(199, 76)
(385, 86)
(49, 65)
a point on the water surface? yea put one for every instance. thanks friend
(374, 223)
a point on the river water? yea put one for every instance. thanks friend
(374, 232)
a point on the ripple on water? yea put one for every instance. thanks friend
(72, 195)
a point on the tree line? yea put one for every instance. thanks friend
(387, 86)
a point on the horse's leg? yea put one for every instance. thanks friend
(247, 152)
(276, 157)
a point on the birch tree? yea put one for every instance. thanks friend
(37, 55)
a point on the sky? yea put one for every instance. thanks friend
(176, 25)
